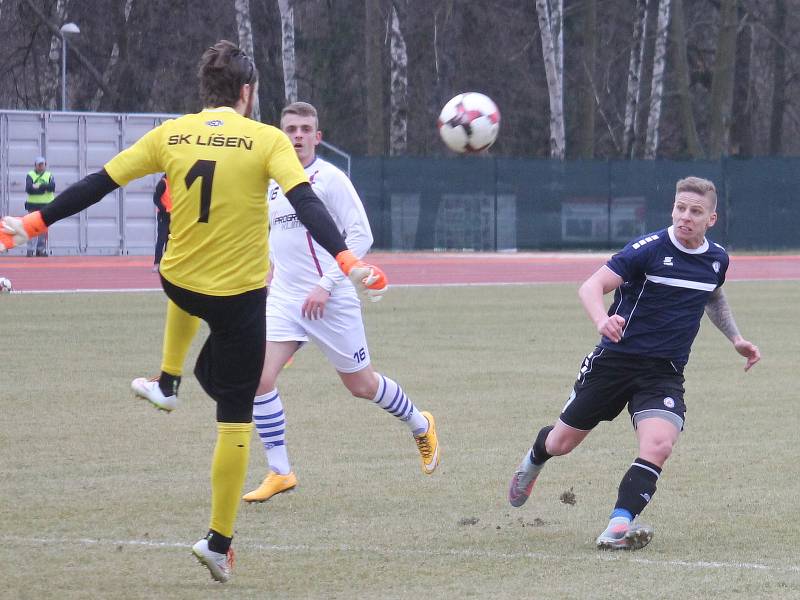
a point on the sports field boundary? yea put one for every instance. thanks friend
(97, 274)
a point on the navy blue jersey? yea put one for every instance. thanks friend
(664, 294)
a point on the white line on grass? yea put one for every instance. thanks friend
(398, 285)
(466, 553)
(87, 291)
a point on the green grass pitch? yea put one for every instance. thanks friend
(102, 496)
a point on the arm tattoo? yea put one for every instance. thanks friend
(721, 315)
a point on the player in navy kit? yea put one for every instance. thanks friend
(662, 283)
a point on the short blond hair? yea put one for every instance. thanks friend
(698, 185)
(301, 109)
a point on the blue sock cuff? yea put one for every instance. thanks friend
(621, 512)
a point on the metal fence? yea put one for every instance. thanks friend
(75, 145)
(459, 203)
(490, 204)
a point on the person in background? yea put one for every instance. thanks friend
(163, 202)
(40, 186)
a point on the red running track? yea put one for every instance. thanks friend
(134, 272)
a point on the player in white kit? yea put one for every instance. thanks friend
(310, 300)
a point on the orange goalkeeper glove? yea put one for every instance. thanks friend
(16, 231)
(367, 278)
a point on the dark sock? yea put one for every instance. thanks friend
(637, 487)
(539, 454)
(218, 542)
(169, 383)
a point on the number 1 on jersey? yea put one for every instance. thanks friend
(205, 170)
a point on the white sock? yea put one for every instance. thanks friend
(393, 399)
(271, 427)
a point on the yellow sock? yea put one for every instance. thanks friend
(179, 330)
(228, 472)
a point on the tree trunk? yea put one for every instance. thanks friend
(112, 60)
(681, 63)
(51, 73)
(373, 30)
(286, 8)
(587, 105)
(446, 31)
(778, 80)
(744, 89)
(657, 80)
(72, 49)
(550, 25)
(722, 82)
(635, 78)
(398, 134)
(245, 29)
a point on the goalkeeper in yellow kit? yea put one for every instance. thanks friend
(219, 164)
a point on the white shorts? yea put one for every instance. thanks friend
(339, 334)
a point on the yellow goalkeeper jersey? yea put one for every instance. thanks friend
(218, 164)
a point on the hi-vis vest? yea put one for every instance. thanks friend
(42, 178)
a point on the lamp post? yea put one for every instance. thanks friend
(66, 29)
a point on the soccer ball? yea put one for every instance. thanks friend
(469, 123)
(5, 285)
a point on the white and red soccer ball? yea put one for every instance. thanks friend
(5, 285)
(469, 123)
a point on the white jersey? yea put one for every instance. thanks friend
(298, 262)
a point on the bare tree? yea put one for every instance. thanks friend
(286, 8)
(373, 30)
(722, 82)
(112, 60)
(398, 127)
(635, 78)
(778, 80)
(51, 69)
(744, 87)
(447, 22)
(688, 126)
(143, 66)
(657, 80)
(244, 28)
(587, 103)
(550, 13)
(50, 85)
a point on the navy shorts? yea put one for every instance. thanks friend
(608, 381)
(229, 365)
